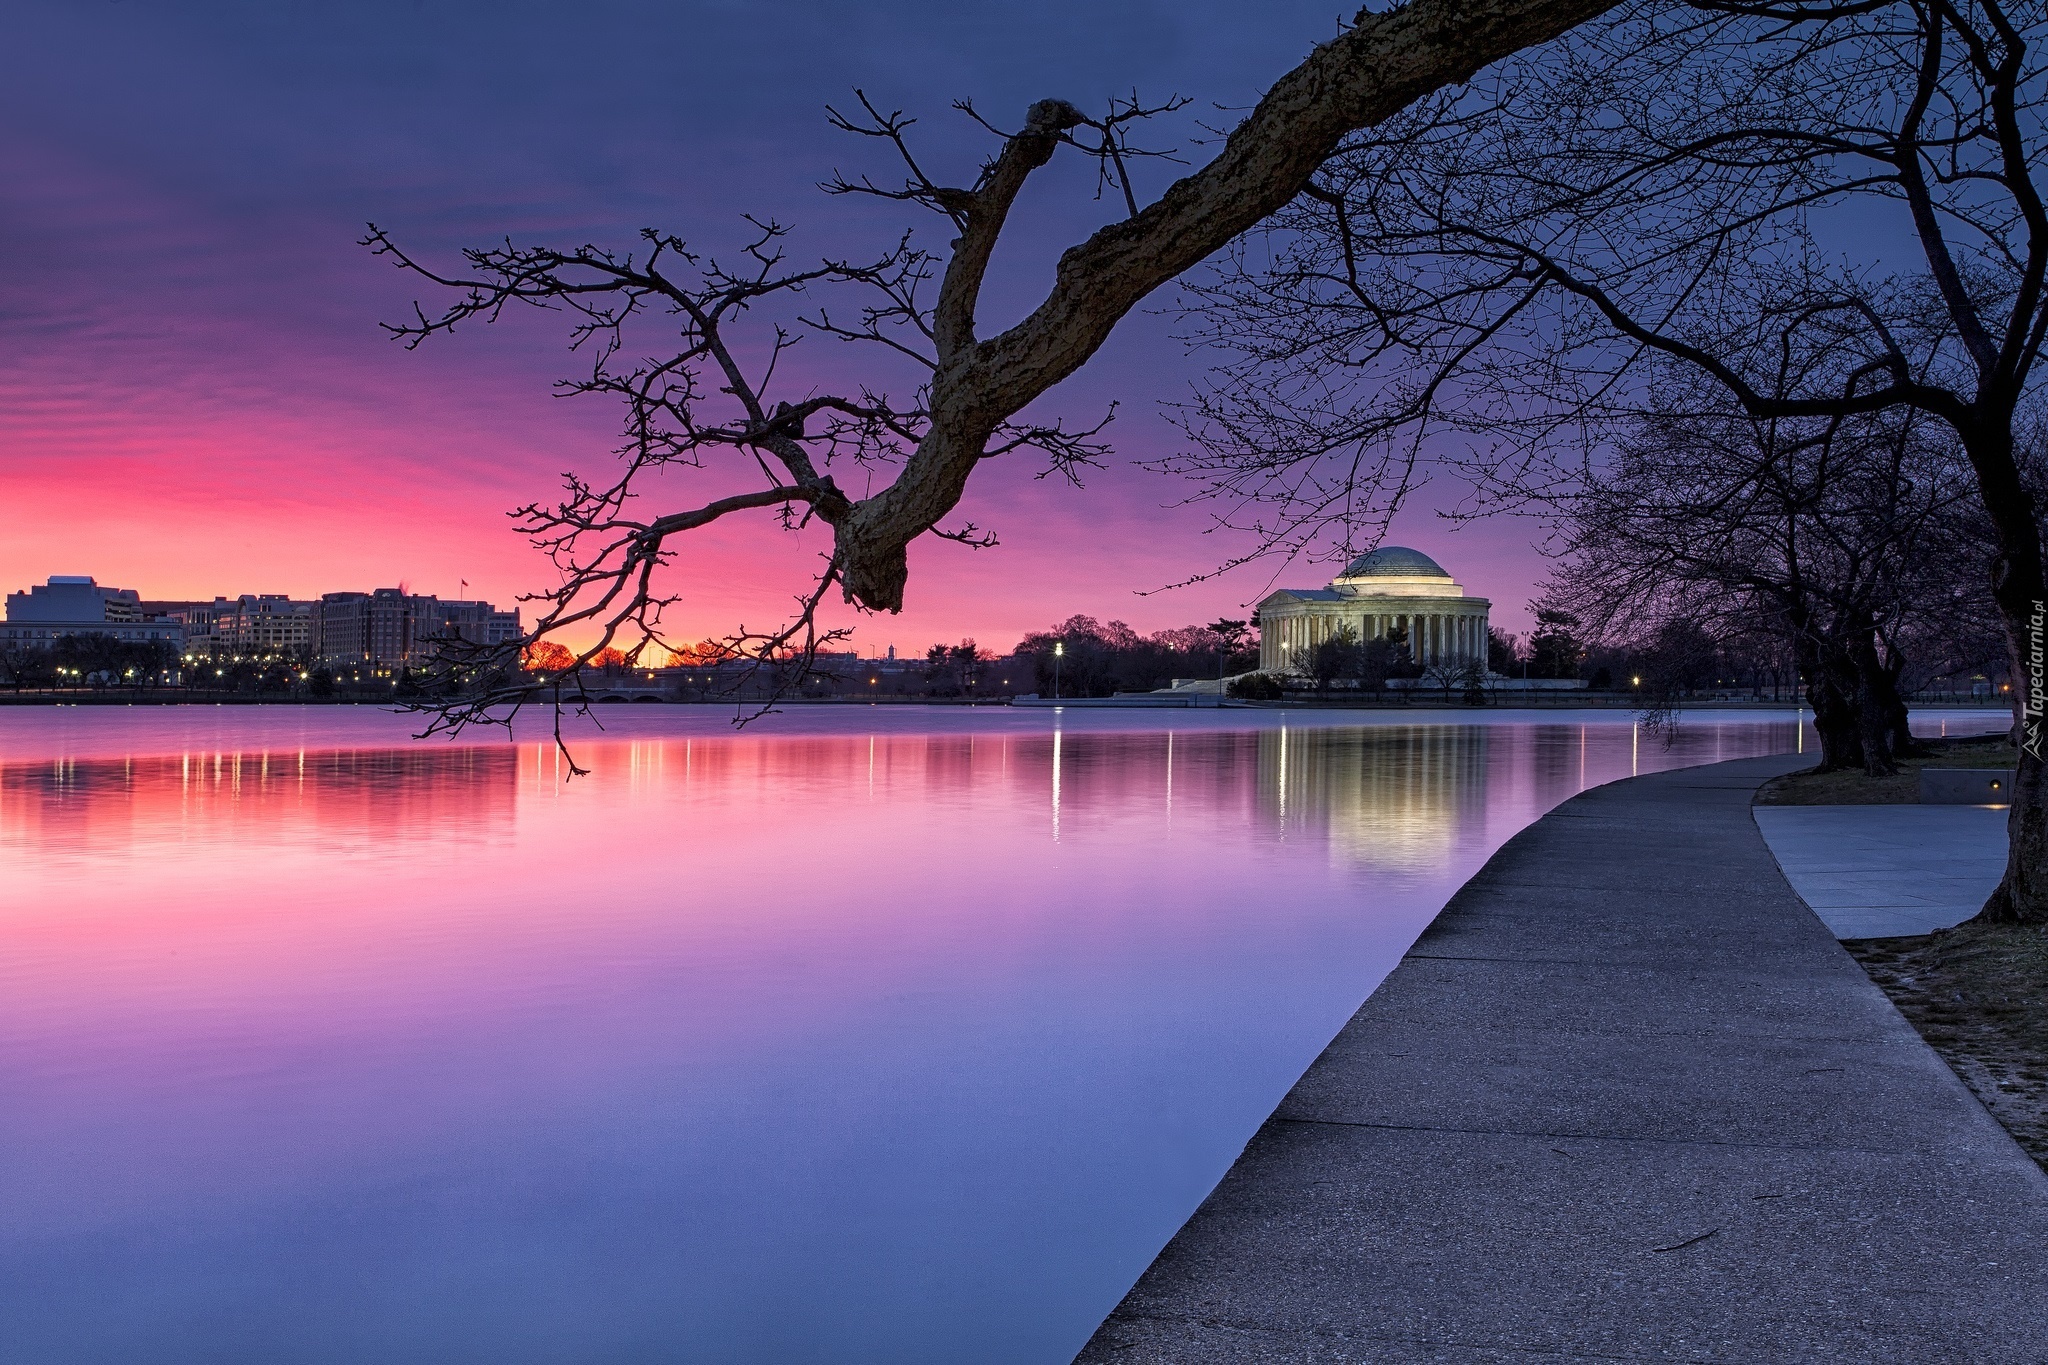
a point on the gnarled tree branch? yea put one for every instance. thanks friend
(965, 407)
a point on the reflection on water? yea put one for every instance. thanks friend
(1395, 798)
(903, 1037)
(363, 799)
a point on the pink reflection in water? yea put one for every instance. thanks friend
(884, 1037)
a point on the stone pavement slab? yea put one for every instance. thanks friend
(1625, 1100)
(1888, 871)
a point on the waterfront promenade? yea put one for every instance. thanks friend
(1626, 1099)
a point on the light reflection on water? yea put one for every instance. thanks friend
(867, 1036)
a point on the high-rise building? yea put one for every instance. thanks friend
(74, 604)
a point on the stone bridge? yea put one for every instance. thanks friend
(622, 690)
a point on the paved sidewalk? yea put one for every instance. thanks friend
(1625, 1100)
(1888, 871)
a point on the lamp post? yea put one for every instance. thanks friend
(1059, 649)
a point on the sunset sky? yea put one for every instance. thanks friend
(197, 398)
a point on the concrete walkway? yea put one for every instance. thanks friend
(1625, 1100)
(1888, 871)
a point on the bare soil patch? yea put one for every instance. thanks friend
(1979, 995)
(1854, 788)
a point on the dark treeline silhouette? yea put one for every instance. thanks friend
(954, 670)
(1552, 650)
(101, 664)
(89, 660)
(1099, 660)
(1367, 665)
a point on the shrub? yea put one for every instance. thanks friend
(1255, 687)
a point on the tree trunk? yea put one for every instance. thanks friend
(1833, 703)
(1893, 701)
(2022, 897)
(1835, 721)
(1873, 716)
(2016, 585)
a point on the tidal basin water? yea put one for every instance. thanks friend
(891, 1034)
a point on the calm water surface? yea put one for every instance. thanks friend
(892, 1035)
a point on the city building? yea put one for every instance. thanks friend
(480, 623)
(1390, 589)
(74, 604)
(390, 628)
(254, 623)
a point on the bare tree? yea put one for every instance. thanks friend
(702, 405)
(1517, 264)
(1839, 537)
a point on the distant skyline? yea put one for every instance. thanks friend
(195, 398)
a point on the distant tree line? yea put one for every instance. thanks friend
(953, 670)
(94, 660)
(1095, 659)
(103, 662)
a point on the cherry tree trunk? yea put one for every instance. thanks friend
(2022, 898)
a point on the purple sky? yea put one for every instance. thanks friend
(197, 399)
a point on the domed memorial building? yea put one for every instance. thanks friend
(1391, 588)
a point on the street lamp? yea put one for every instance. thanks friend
(1059, 649)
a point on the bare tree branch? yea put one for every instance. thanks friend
(775, 453)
